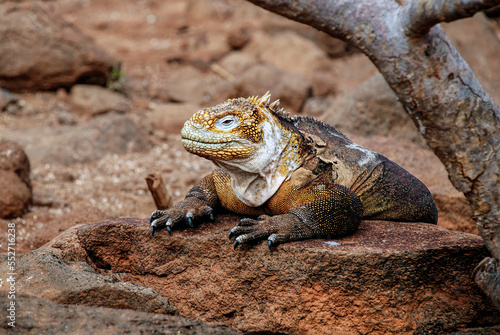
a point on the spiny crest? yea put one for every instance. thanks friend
(264, 101)
(288, 120)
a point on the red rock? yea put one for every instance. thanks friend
(236, 63)
(15, 184)
(171, 117)
(471, 35)
(372, 109)
(13, 158)
(40, 51)
(191, 85)
(387, 278)
(8, 102)
(292, 89)
(41, 316)
(97, 100)
(291, 52)
(15, 196)
(42, 274)
(238, 38)
(109, 133)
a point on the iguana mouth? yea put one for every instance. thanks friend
(204, 142)
(197, 137)
(196, 146)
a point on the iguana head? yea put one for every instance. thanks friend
(231, 130)
(246, 138)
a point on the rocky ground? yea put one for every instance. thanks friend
(91, 147)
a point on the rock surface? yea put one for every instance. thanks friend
(386, 278)
(42, 274)
(372, 109)
(15, 183)
(43, 317)
(8, 101)
(290, 52)
(171, 117)
(485, 64)
(13, 158)
(97, 100)
(15, 196)
(40, 51)
(110, 133)
(194, 85)
(290, 88)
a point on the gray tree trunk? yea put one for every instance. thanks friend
(437, 88)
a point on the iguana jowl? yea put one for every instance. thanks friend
(301, 177)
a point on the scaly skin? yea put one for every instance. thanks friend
(297, 177)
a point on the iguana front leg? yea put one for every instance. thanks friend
(198, 203)
(319, 209)
(212, 192)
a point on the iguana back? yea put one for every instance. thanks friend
(386, 190)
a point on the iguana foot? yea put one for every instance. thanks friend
(276, 229)
(186, 211)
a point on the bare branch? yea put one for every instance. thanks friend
(418, 16)
(161, 194)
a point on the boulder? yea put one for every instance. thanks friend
(15, 184)
(202, 46)
(290, 88)
(372, 109)
(50, 217)
(42, 274)
(480, 53)
(15, 196)
(14, 159)
(351, 71)
(8, 102)
(110, 133)
(40, 51)
(171, 117)
(236, 63)
(94, 100)
(39, 316)
(196, 86)
(291, 52)
(388, 277)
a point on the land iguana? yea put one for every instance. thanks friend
(296, 177)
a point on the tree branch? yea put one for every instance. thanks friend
(418, 16)
(161, 194)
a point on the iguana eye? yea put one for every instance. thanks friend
(228, 122)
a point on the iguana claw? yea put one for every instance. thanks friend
(189, 219)
(190, 212)
(168, 225)
(270, 245)
(153, 224)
